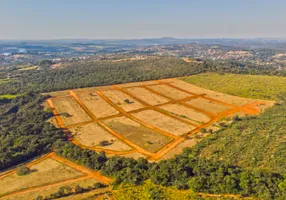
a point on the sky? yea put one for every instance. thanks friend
(126, 19)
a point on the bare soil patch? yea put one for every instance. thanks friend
(163, 122)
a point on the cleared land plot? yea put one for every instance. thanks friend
(208, 105)
(141, 136)
(238, 101)
(186, 113)
(53, 189)
(147, 96)
(169, 91)
(70, 110)
(99, 107)
(124, 101)
(92, 134)
(163, 122)
(46, 172)
(173, 108)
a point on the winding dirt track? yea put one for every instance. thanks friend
(248, 109)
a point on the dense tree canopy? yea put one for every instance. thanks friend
(24, 132)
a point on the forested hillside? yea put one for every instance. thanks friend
(253, 142)
(24, 132)
(96, 73)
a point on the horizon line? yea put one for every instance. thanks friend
(144, 38)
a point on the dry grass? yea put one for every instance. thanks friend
(186, 113)
(99, 107)
(163, 122)
(207, 105)
(92, 134)
(67, 105)
(57, 93)
(134, 155)
(46, 192)
(137, 84)
(46, 172)
(141, 136)
(169, 91)
(147, 96)
(119, 98)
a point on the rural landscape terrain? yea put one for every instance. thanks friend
(147, 136)
(142, 100)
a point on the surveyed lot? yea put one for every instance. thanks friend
(145, 118)
(47, 174)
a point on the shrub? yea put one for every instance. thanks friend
(22, 170)
(203, 130)
(103, 143)
(128, 101)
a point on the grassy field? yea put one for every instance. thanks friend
(26, 68)
(249, 86)
(3, 81)
(8, 96)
